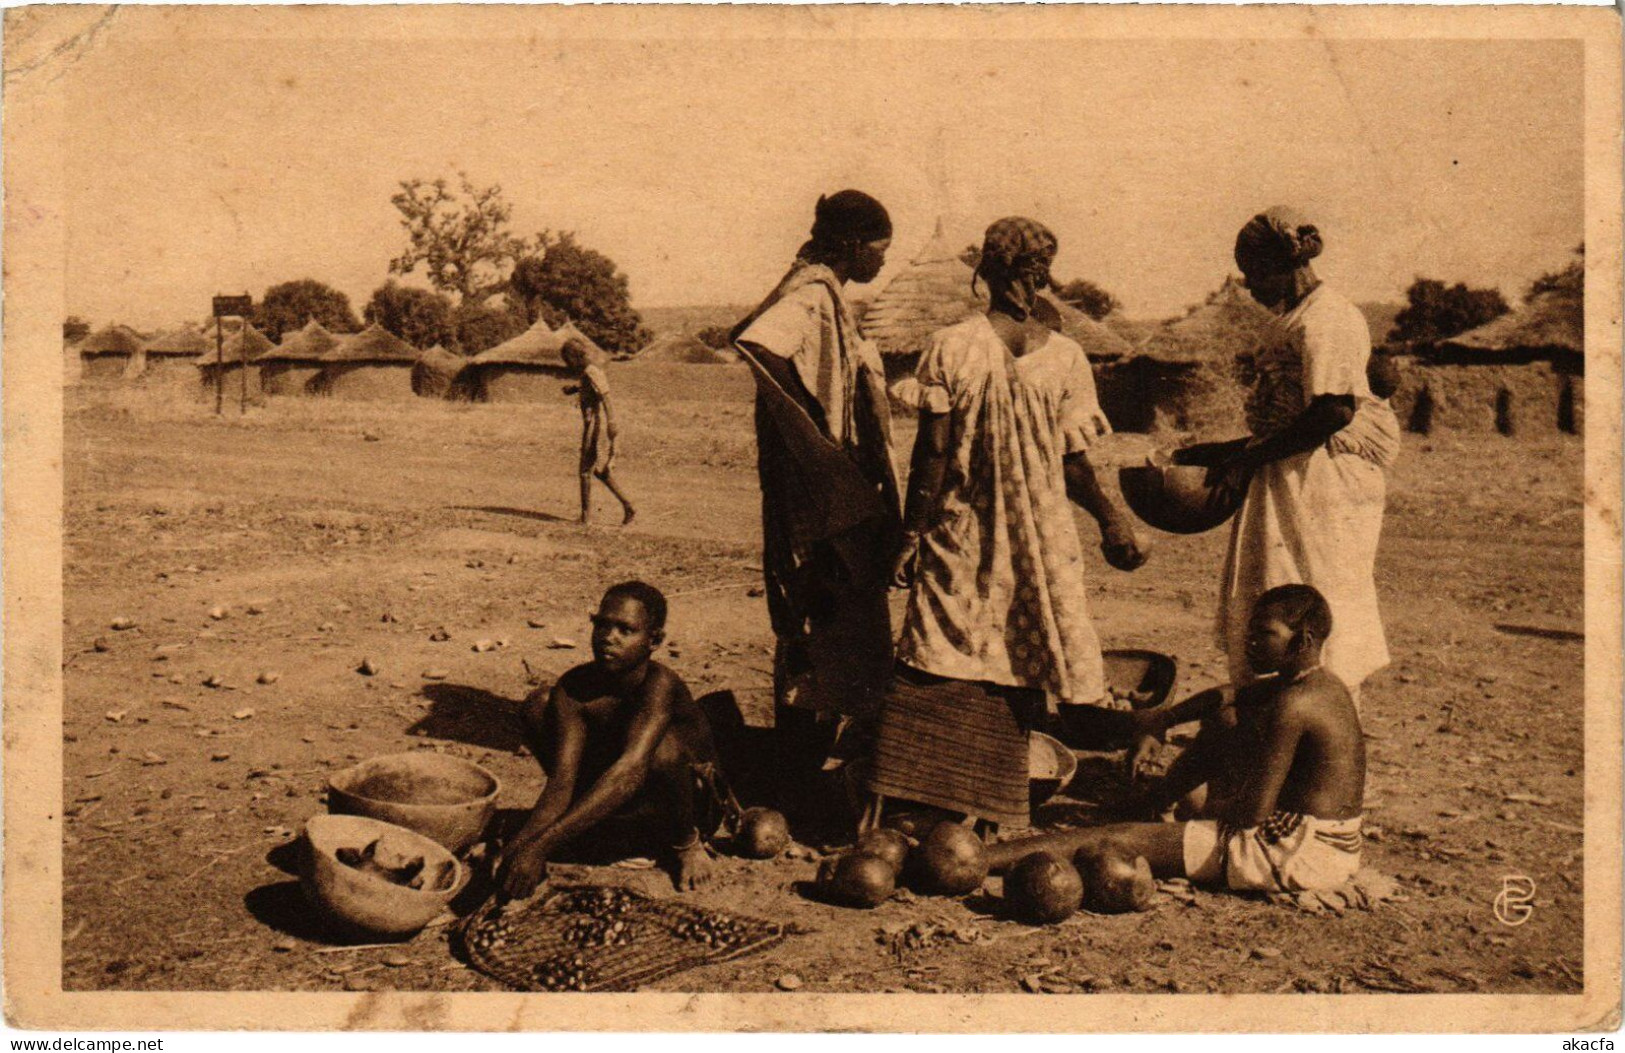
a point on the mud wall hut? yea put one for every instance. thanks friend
(527, 368)
(171, 357)
(291, 368)
(112, 353)
(931, 293)
(684, 349)
(1186, 376)
(1523, 372)
(234, 369)
(372, 365)
(435, 373)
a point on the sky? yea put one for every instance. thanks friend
(203, 166)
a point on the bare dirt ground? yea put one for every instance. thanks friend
(328, 534)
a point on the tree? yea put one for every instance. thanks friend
(1569, 282)
(460, 236)
(572, 281)
(419, 316)
(290, 305)
(1089, 298)
(714, 336)
(478, 327)
(1435, 311)
(75, 328)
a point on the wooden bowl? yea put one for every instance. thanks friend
(445, 798)
(1176, 498)
(1051, 765)
(365, 901)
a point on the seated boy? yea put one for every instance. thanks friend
(620, 738)
(1291, 759)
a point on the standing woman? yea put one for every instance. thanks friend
(997, 613)
(1317, 460)
(597, 427)
(830, 504)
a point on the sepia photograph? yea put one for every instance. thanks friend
(1008, 510)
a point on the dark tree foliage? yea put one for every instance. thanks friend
(459, 235)
(714, 336)
(290, 305)
(75, 328)
(1435, 311)
(421, 317)
(574, 282)
(1568, 282)
(479, 327)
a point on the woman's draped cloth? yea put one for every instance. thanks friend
(831, 510)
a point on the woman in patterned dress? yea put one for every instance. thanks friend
(997, 613)
(1315, 467)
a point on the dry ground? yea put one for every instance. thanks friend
(334, 533)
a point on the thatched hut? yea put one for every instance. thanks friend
(373, 364)
(1099, 342)
(931, 293)
(684, 349)
(1522, 372)
(291, 368)
(171, 357)
(1184, 376)
(234, 365)
(111, 353)
(434, 374)
(527, 368)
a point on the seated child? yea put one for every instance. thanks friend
(620, 738)
(1285, 768)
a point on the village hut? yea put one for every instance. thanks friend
(112, 353)
(171, 357)
(72, 367)
(1099, 342)
(233, 367)
(932, 292)
(292, 367)
(434, 374)
(684, 349)
(1523, 372)
(527, 368)
(1186, 376)
(373, 364)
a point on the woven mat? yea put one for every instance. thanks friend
(603, 938)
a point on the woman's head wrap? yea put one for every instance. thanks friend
(1016, 256)
(849, 216)
(1277, 240)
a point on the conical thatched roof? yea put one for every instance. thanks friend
(1229, 325)
(686, 349)
(436, 371)
(372, 344)
(184, 340)
(245, 345)
(536, 346)
(1549, 321)
(112, 340)
(311, 343)
(1097, 341)
(932, 292)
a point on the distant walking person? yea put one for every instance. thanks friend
(831, 510)
(1315, 466)
(597, 428)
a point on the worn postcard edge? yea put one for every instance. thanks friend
(41, 42)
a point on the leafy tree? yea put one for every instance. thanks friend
(713, 336)
(1435, 311)
(478, 327)
(572, 281)
(971, 256)
(75, 328)
(419, 316)
(459, 235)
(1089, 298)
(290, 305)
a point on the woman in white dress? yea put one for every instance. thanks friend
(1315, 467)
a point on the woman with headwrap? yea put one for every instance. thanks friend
(1314, 468)
(997, 610)
(830, 496)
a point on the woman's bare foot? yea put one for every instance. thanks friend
(631, 514)
(694, 868)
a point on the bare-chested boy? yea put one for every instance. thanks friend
(621, 737)
(1285, 769)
